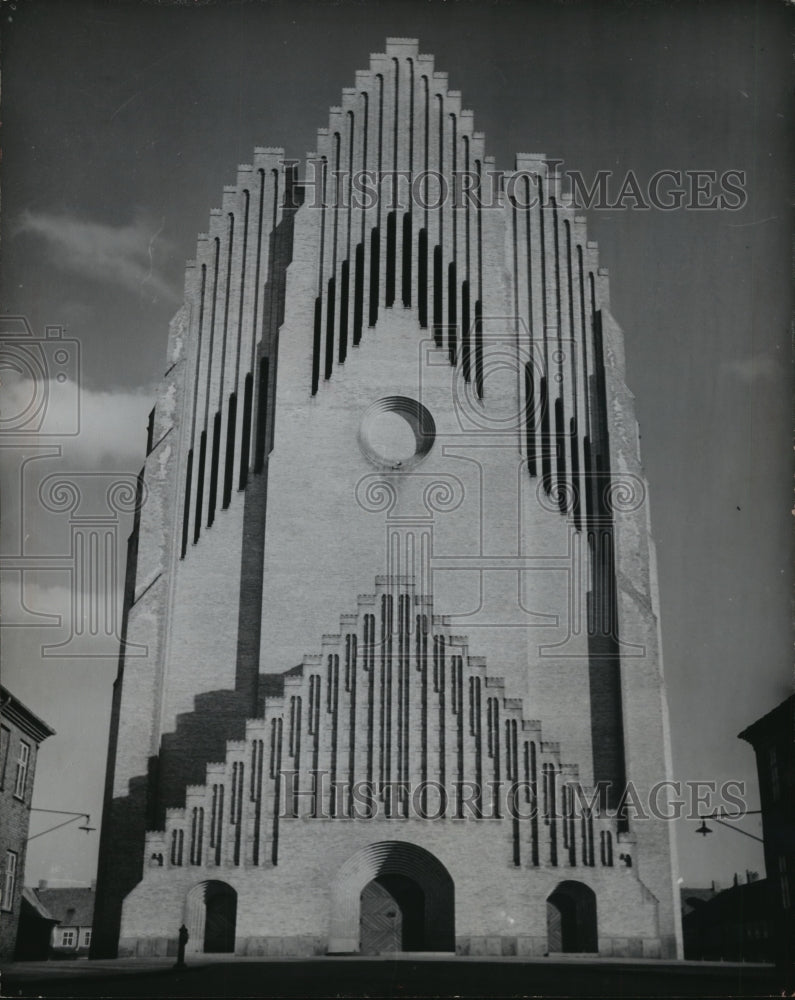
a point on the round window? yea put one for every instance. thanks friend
(396, 432)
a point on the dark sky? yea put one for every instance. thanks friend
(122, 122)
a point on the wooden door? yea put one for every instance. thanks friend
(381, 922)
(554, 928)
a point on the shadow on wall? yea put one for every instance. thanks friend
(201, 735)
(121, 864)
(199, 739)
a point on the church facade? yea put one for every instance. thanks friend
(391, 652)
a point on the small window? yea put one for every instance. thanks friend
(177, 842)
(21, 779)
(9, 881)
(150, 431)
(68, 939)
(86, 937)
(606, 848)
(5, 739)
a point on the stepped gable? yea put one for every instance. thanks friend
(418, 241)
(394, 697)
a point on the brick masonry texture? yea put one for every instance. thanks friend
(484, 609)
(21, 726)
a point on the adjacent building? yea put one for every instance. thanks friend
(36, 924)
(391, 642)
(21, 733)
(773, 740)
(729, 925)
(73, 908)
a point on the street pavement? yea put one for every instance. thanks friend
(403, 975)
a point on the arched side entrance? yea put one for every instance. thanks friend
(392, 896)
(571, 918)
(211, 916)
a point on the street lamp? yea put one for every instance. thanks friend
(66, 822)
(716, 816)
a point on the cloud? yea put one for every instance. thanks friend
(754, 369)
(109, 448)
(110, 425)
(112, 428)
(30, 604)
(120, 255)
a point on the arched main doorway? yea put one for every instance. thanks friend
(571, 918)
(392, 896)
(211, 916)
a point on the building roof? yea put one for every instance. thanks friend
(71, 907)
(781, 718)
(691, 897)
(743, 902)
(11, 708)
(29, 896)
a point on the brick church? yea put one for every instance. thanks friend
(391, 644)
